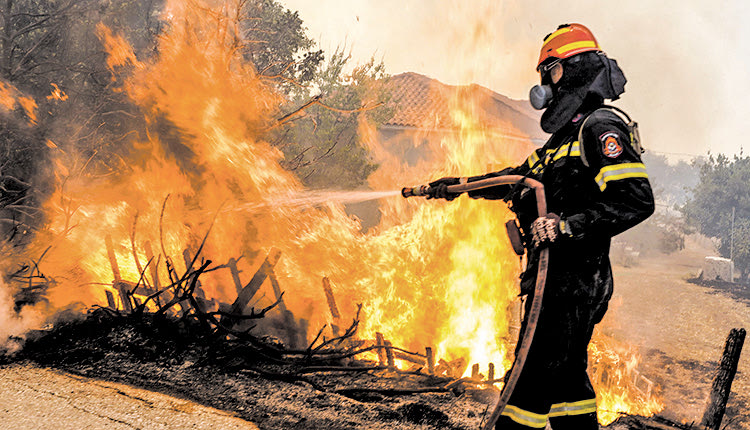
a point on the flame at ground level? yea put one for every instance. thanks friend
(432, 274)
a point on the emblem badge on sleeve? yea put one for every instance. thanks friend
(610, 145)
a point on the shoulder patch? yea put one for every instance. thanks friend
(611, 146)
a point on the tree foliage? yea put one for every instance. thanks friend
(323, 144)
(276, 42)
(723, 187)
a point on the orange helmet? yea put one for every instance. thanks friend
(568, 40)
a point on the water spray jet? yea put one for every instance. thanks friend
(313, 198)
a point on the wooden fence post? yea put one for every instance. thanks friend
(118, 285)
(232, 263)
(722, 385)
(332, 306)
(249, 290)
(380, 341)
(389, 354)
(430, 361)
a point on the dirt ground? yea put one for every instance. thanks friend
(679, 328)
(37, 398)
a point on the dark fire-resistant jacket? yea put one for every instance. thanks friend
(599, 188)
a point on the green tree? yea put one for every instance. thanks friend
(276, 42)
(722, 189)
(322, 143)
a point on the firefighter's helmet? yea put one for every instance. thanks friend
(568, 40)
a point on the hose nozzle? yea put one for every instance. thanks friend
(418, 191)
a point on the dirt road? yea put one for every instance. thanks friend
(34, 398)
(680, 329)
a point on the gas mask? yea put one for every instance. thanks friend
(540, 96)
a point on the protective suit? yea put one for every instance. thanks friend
(594, 202)
(597, 187)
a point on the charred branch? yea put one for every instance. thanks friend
(251, 316)
(325, 346)
(324, 369)
(249, 290)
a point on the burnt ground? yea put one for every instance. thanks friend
(157, 355)
(740, 292)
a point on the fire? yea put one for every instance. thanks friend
(12, 98)
(432, 274)
(619, 385)
(57, 93)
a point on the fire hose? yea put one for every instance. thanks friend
(532, 318)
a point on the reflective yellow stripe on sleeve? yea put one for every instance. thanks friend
(533, 158)
(572, 149)
(617, 172)
(529, 419)
(574, 408)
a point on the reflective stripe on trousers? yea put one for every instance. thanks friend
(534, 420)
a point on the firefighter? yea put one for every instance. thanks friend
(596, 187)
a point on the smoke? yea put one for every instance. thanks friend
(684, 60)
(14, 324)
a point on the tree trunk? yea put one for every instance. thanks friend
(7, 45)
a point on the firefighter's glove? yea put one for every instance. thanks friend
(545, 230)
(439, 189)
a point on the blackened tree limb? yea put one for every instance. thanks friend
(286, 118)
(351, 331)
(253, 314)
(203, 242)
(132, 246)
(167, 259)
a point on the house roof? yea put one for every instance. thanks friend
(425, 103)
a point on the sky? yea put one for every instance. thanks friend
(687, 62)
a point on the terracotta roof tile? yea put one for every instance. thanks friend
(425, 103)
